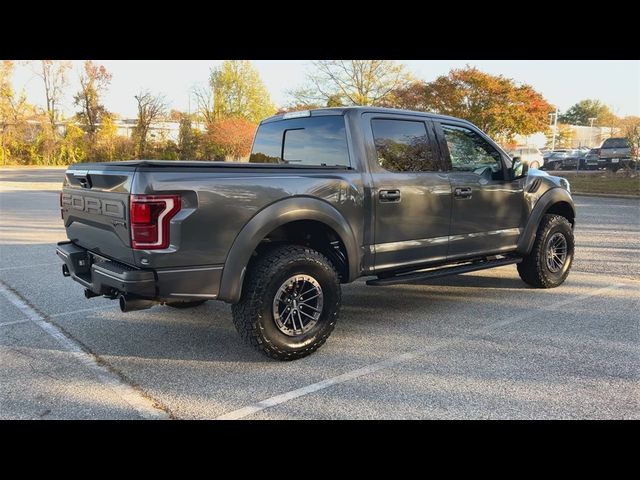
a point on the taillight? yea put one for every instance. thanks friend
(150, 216)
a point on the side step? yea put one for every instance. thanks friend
(443, 272)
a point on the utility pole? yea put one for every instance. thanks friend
(555, 129)
(591, 119)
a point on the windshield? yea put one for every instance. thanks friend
(615, 143)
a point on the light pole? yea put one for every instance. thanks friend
(555, 129)
(591, 119)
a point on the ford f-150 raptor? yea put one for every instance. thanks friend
(326, 196)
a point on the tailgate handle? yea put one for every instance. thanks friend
(84, 179)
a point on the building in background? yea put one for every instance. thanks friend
(580, 136)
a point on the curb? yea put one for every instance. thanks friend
(605, 195)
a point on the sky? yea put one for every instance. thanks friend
(562, 82)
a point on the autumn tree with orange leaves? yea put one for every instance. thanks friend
(233, 136)
(496, 104)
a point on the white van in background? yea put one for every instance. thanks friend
(529, 155)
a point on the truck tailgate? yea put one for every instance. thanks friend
(95, 209)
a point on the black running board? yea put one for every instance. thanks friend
(443, 272)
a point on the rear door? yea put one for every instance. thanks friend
(487, 206)
(95, 210)
(412, 194)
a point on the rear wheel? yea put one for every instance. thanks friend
(549, 261)
(290, 302)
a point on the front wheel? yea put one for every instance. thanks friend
(549, 261)
(289, 304)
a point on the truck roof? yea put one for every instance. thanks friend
(361, 109)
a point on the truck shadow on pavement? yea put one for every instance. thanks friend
(207, 334)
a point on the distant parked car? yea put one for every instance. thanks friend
(554, 160)
(615, 153)
(591, 159)
(572, 158)
(529, 155)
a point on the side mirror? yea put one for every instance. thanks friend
(519, 168)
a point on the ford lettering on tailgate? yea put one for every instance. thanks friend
(93, 205)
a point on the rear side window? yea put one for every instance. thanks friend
(403, 146)
(615, 143)
(315, 141)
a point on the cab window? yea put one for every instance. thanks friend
(470, 152)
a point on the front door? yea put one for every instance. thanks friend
(487, 206)
(412, 194)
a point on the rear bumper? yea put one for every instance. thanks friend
(103, 276)
(610, 160)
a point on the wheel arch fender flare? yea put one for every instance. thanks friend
(550, 198)
(270, 218)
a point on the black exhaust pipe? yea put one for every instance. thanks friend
(130, 303)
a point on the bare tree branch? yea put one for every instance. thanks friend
(54, 76)
(151, 108)
(355, 82)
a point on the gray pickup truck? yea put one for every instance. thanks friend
(326, 197)
(614, 154)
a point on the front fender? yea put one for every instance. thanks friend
(267, 220)
(542, 206)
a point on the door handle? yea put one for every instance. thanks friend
(389, 195)
(462, 192)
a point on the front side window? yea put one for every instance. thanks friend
(313, 141)
(469, 151)
(403, 146)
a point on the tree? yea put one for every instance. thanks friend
(411, 97)
(581, 112)
(564, 136)
(204, 104)
(94, 81)
(150, 109)
(13, 113)
(630, 129)
(495, 104)
(236, 90)
(233, 136)
(54, 76)
(187, 139)
(352, 82)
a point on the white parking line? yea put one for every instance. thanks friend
(82, 310)
(143, 405)
(16, 322)
(22, 267)
(391, 362)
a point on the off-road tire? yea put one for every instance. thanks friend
(182, 305)
(253, 314)
(533, 269)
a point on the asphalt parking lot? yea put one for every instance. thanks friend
(480, 345)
